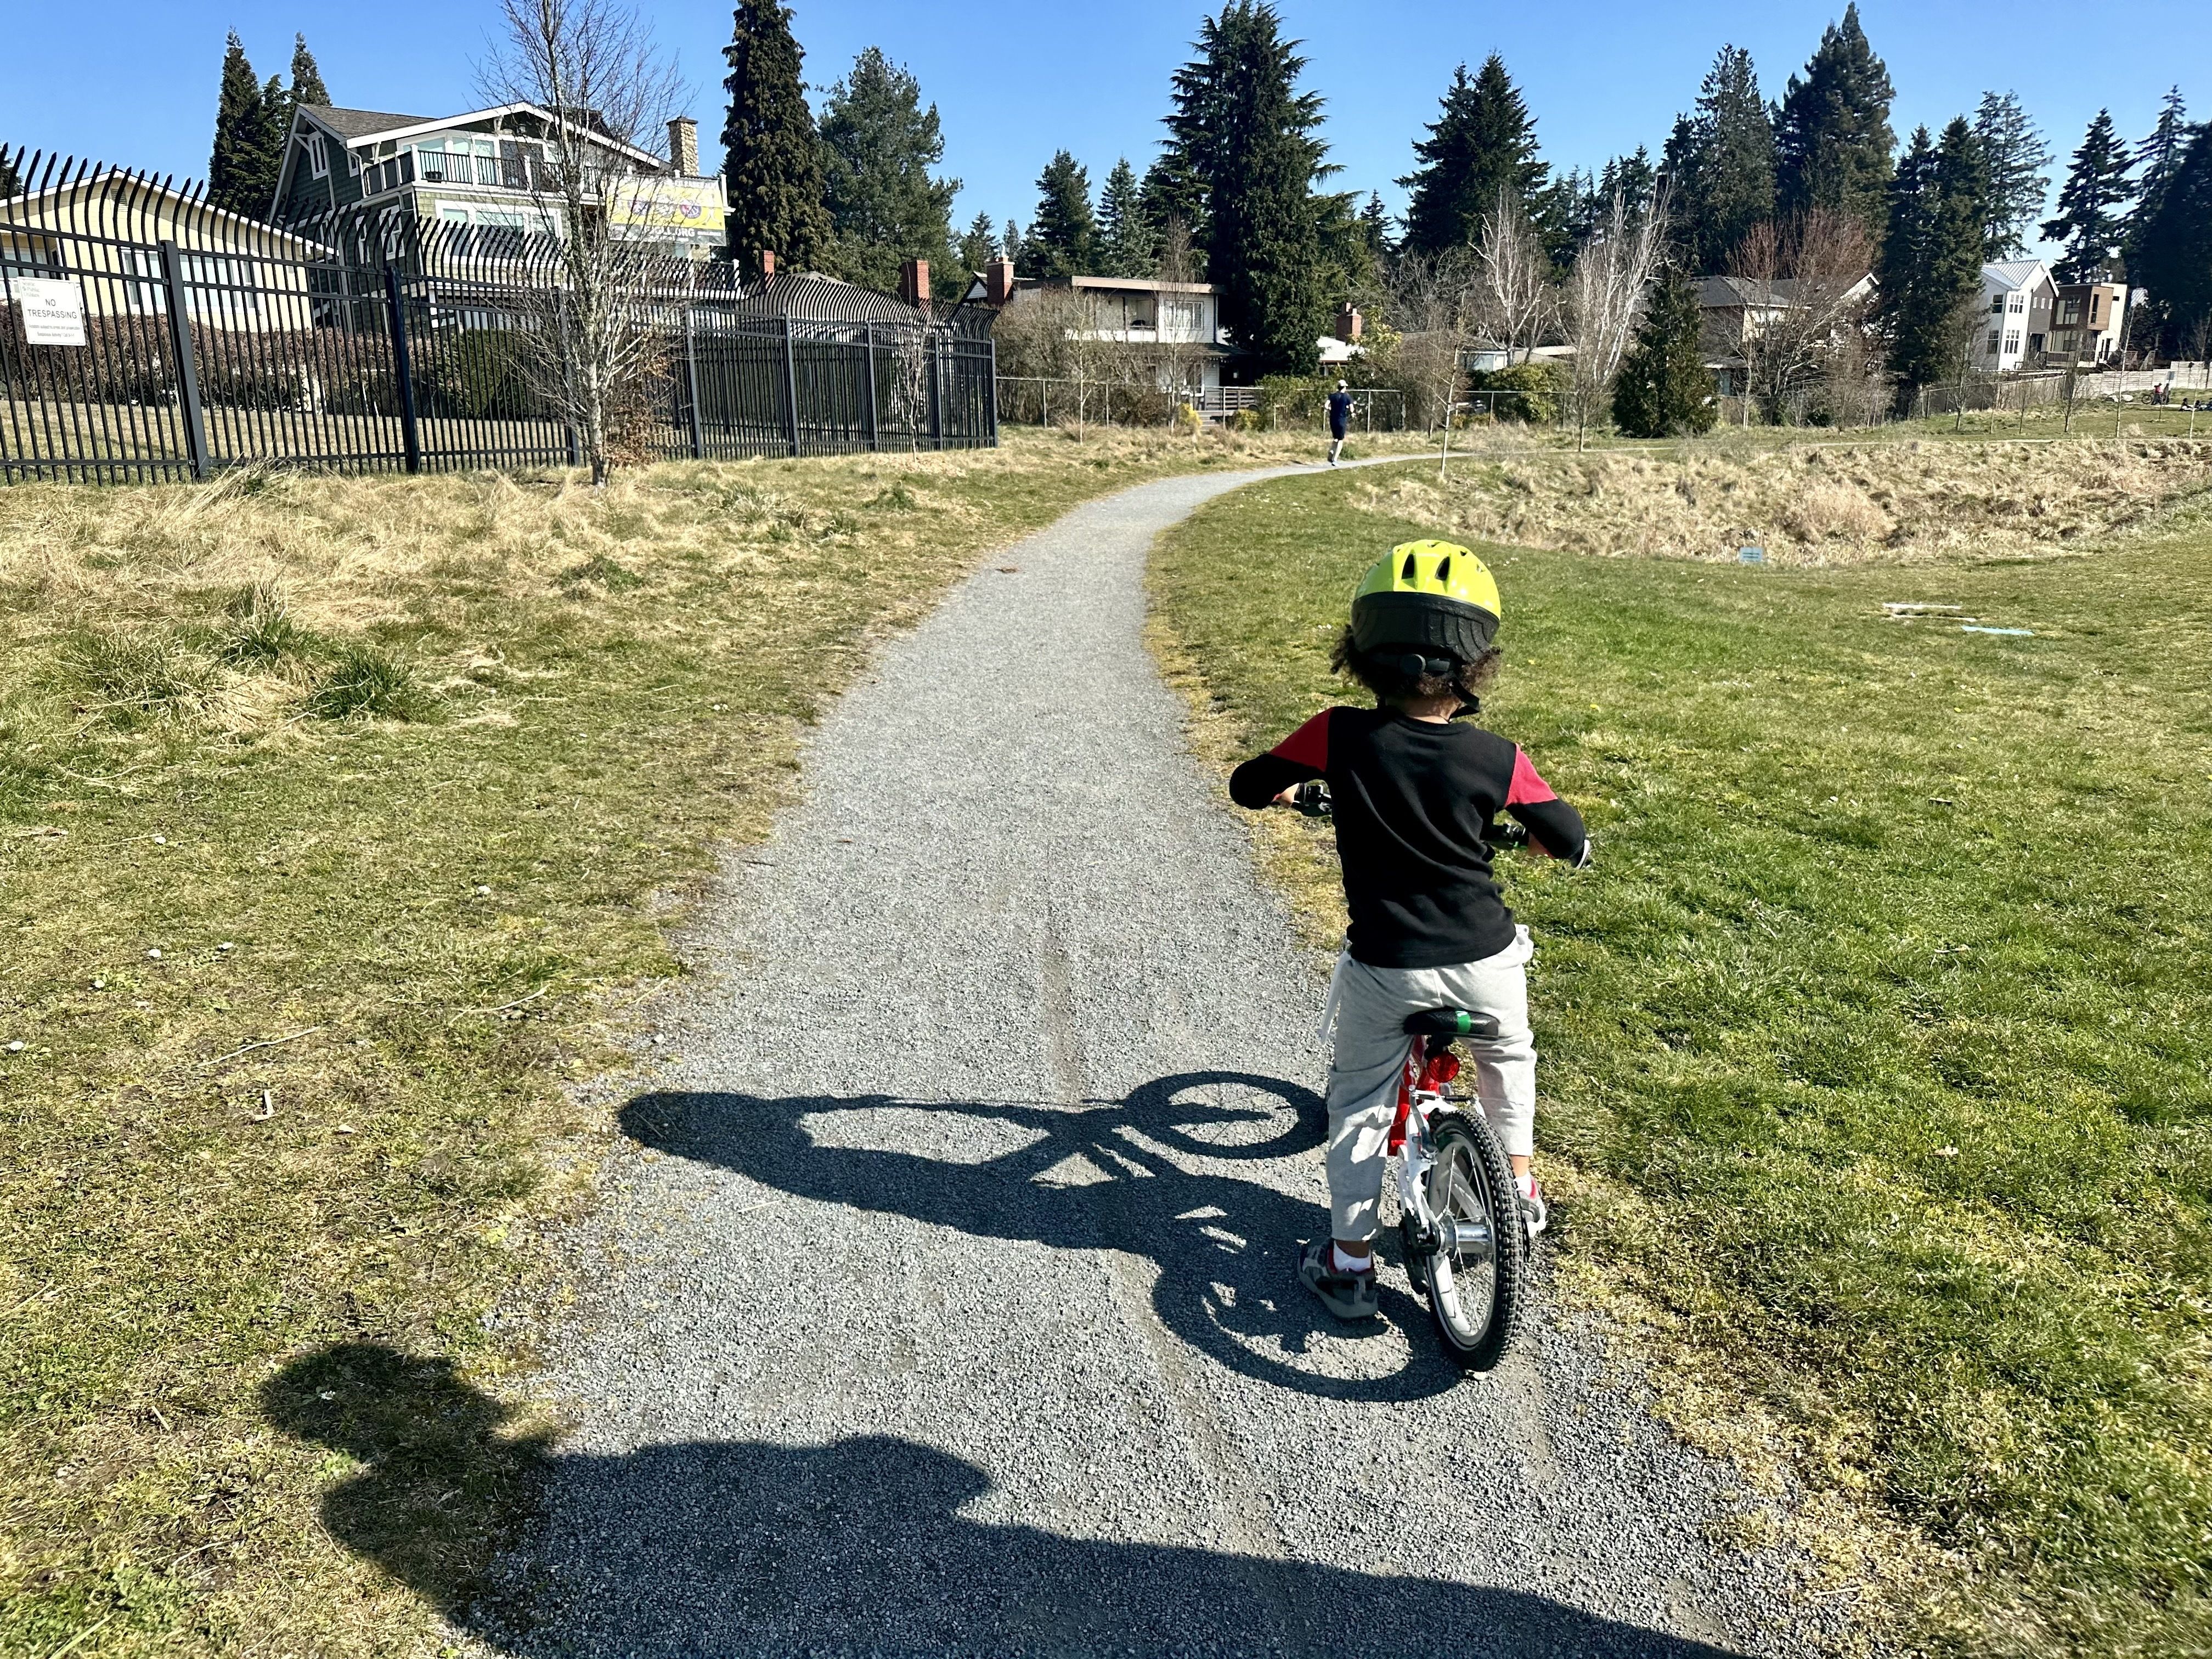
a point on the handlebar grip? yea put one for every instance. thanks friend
(1313, 799)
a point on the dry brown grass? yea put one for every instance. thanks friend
(1881, 502)
(460, 912)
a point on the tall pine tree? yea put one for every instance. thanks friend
(1127, 245)
(1482, 141)
(2016, 157)
(978, 247)
(1722, 176)
(1664, 389)
(1832, 135)
(1246, 135)
(2159, 157)
(879, 145)
(307, 85)
(2092, 204)
(249, 141)
(2175, 258)
(1061, 236)
(771, 158)
(1930, 275)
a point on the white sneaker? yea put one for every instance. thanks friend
(1534, 1211)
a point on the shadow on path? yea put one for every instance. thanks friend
(1098, 1176)
(729, 1549)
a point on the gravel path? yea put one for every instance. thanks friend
(950, 1308)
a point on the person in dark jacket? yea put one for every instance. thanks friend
(1339, 419)
(1417, 793)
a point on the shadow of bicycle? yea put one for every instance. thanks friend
(1151, 1176)
(859, 1546)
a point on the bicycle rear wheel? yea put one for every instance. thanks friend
(1478, 1282)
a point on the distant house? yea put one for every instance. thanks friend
(1341, 344)
(238, 273)
(1735, 310)
(1177, 325)
(485, 169)
(2089, 322)
(2018, 301)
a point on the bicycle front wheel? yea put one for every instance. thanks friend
(1477, 1277)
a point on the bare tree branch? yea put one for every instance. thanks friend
(1605, 300)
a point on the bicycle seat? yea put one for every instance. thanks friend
(1449, 1022)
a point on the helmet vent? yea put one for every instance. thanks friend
(1411, 571)
(1444, 571)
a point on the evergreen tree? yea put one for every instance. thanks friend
(1723, 172)
(1245, 134)
(9, 184)
(1664, 389)
(249, 143)
(2092, 204)
(1350, 265)
(1171, 191)
(307, 80)
(2016, 156)
(1127, 246)
(879, 144)
(1636, 178)
(1061, 235)
(1375, 226)
(2158, 156)
(1481, 141)
(1832, 133)
(1013, 247)
(978, 247)
(771, 158)
(1930, 274)
(2175, 261)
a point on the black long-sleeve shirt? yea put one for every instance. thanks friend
(1413, 801)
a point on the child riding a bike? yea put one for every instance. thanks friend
(1416, 793)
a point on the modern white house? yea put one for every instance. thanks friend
(1178, 324)
(2019, 300)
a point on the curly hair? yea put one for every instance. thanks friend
(1382, 678)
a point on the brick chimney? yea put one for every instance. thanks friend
(999, 282)
(913, 283)
(1349, 323)
(767, 264)
(684, 146)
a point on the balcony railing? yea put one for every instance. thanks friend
(514, 173)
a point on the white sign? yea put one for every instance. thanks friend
(52, 309)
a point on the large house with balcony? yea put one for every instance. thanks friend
(488, 168)
(2090, 323)
(1176, 327)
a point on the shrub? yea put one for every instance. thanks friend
(140, 676)
(259, 628)
(365, 681)
(1541, 387)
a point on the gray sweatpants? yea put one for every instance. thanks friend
(1370, 1006)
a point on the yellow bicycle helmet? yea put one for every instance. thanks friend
(1423, 597)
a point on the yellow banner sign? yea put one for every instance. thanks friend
(666, 204)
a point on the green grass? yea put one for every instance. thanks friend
(341, 821)
(1877, 1056)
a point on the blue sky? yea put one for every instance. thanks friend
(1012, 83)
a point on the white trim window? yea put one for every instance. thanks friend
(319, 155)
(214, 286)
(2012, 344)
(1993, 343)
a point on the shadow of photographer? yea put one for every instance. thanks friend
(745, 1548)
(1112, 1176)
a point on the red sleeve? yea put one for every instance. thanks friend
(1526, 788)
(1308, 745)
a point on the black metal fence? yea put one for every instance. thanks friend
(144, 334)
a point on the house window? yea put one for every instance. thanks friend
(353, 165)
(1997, 303)
(214, 285)
(1993, 343)
(2012, 343)
(2016, 302)
(318, 156)
(2069, 311)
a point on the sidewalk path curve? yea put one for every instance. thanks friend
(951, 1306)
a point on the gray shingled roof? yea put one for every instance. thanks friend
(364, 123)
(807, 297)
